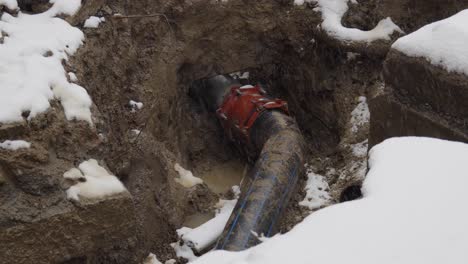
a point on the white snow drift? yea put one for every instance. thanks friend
(99, 183)
(412, 212)
(31, 70)
(332, 13)
(442, 43)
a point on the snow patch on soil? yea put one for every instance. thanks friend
(442, 43)
(99, 183)
(14, 144)
(332, 13)
(183, 251)
(360, 115)
(134, 105)
(360, 149)
(151, 259)
(93, 22)
(31, 70)
(317, 189)
(186, 177)
(411, 212)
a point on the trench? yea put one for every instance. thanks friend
(320, 110)
(319, 83)
(321, 130)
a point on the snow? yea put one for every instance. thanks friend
(183, 251)
(93, 22)
(72, 77)
(360, 149)
(31, 70)
(316, 191)
(151, 259)
(136, 132)
(360, 115)
(135, 105)
(14, 144)
(205, 235)
(64, 7)
(186, 177)
(99, 183)
(442, 43)
(332, 13)
(73, 174)
(240, 75)
(350, 56)
(10, 4)
(412, 211)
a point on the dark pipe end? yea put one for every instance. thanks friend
(212, 90)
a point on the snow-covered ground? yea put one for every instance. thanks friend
(411, 212)
(31, 70)
(443, 43)
(332, 13)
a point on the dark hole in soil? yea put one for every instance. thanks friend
(351, 193)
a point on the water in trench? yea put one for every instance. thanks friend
(222, 176)
(197, 219)
(219, 178)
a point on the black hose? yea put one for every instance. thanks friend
(276, 136)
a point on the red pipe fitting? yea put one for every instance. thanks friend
(242, 106)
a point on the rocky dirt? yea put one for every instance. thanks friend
(151, 51)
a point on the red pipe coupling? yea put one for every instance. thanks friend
(242, 106)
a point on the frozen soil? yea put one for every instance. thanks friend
(151, 52)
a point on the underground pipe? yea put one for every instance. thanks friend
(263, 128)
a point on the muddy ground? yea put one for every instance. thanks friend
(151, 50)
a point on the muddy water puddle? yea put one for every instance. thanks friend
(197, 219)
(221, 177)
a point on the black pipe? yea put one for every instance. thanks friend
(211, 92)
(275, 135)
